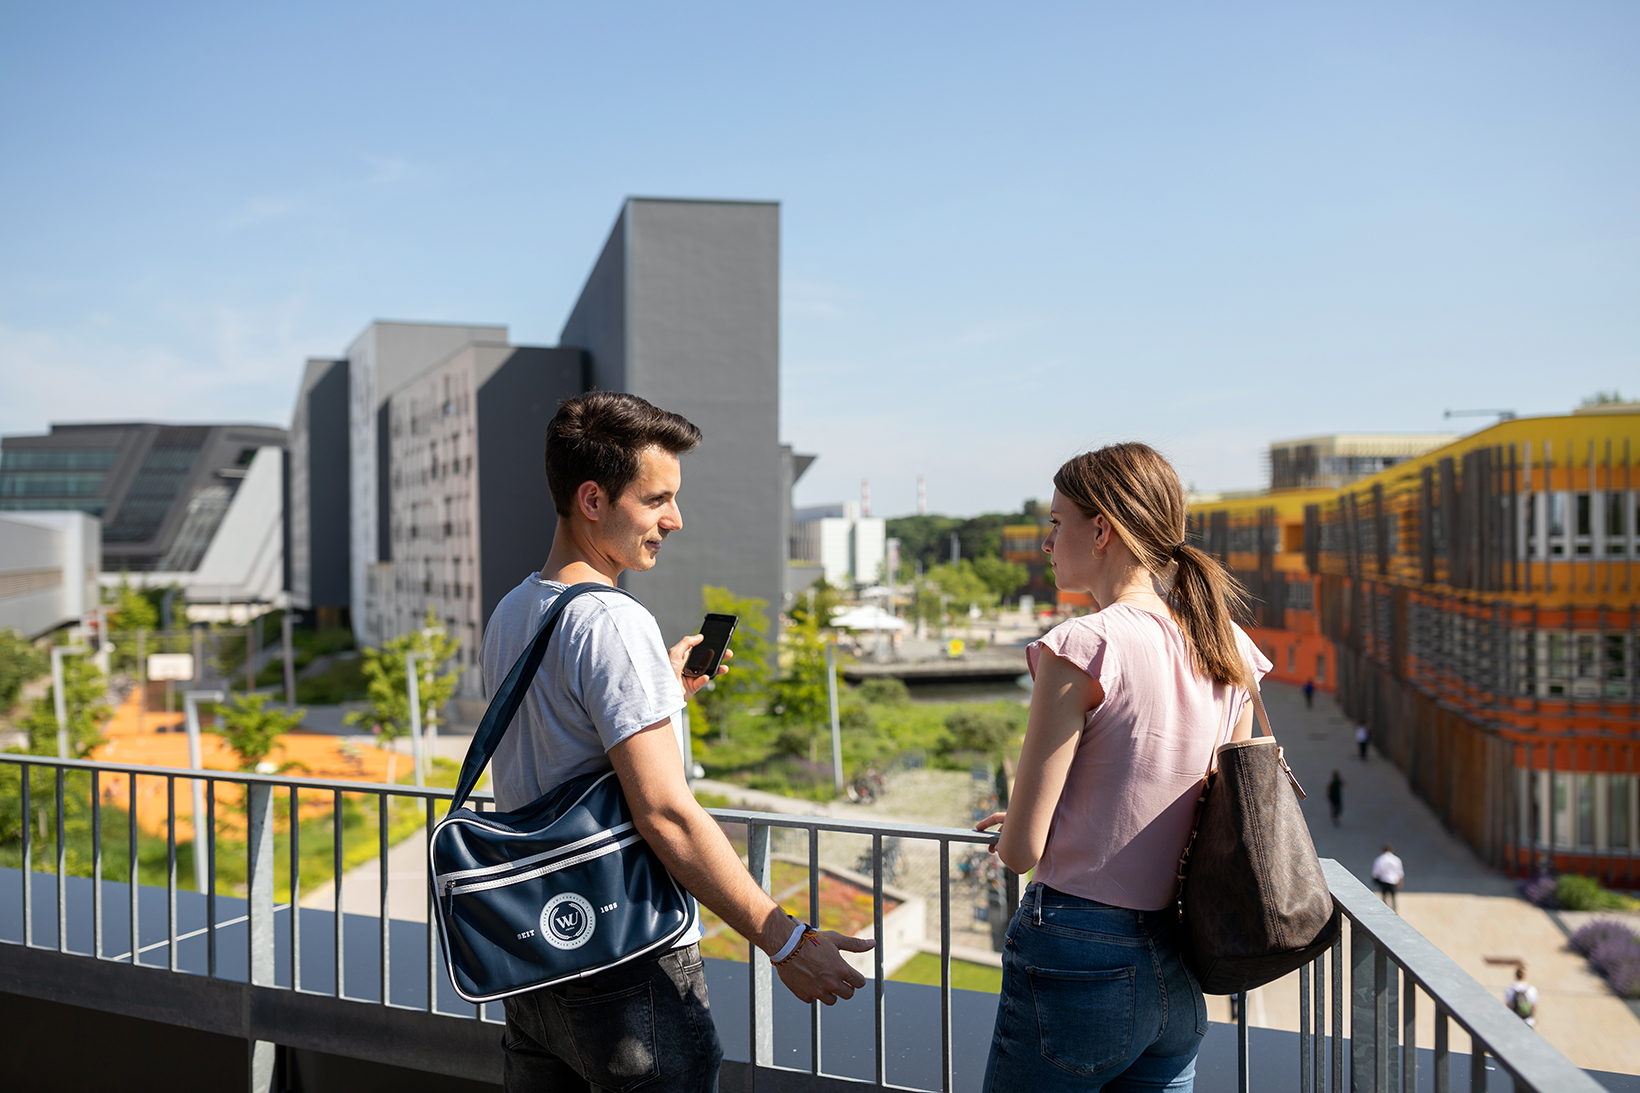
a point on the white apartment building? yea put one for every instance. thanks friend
(851, 549)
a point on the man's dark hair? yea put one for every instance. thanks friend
(600, 437)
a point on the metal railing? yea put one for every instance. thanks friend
(1389, 963)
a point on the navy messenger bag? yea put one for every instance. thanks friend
(563, 888)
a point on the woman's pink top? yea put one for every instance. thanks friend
(1130, 797)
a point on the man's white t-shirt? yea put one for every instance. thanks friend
(606, 676)
(1387, 868)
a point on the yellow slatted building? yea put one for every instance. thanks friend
(1477, 606)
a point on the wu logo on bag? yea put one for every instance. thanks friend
(567, 921)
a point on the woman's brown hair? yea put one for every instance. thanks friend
(1138, 491)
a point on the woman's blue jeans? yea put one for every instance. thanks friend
(1094, 997)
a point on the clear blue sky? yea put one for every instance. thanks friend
(1008, 234)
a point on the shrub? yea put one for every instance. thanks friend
(886, 691)
(1539, 891)
(1576, 893)
(1613, 949)
(981, 730)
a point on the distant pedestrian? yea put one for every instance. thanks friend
(1335, 797)
(1361, 737)
(1522, 998)
(1309, 693)
(1389, 873)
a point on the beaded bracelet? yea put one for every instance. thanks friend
(808, 933)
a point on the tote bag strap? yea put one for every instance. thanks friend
(510, 695)
(1263, 716)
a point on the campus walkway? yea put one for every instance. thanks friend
(1469, 911)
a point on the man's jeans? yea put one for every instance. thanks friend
(1094, 997)
(641, 1026)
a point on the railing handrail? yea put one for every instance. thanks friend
(727, 815)
(246, 776)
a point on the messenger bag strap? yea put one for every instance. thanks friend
(511, 693)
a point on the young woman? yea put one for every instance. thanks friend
(1128, 707)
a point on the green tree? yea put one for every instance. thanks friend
(1002, 578)
(252, 730)
(20, 662)
(824, 602)
(388, 692)
(85, 695)
(131, 609)
(798, 699)
(928, 538)
(961, 585)
(746, 682)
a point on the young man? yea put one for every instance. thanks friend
(1335, 797)
(1389, 873)
(606, 695)
(1521, 997)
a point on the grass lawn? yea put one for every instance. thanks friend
(965, 975)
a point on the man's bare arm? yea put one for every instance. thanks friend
(699, 857)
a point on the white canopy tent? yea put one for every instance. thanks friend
(867, 617)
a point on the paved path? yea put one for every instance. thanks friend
(361, 885)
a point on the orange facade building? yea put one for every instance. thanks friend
(1477, 607)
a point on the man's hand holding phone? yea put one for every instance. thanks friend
(698, 658)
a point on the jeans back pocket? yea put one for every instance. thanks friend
(613, 1036)
(1084, 1018)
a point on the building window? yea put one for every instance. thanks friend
(1619, 809)
(1321, 667)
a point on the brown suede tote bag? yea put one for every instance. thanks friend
(1252, 897)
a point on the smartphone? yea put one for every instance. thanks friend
(705, 657)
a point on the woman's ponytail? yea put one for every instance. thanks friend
(1205, 599)
(1138, 491)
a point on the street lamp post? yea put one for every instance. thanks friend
(196, 761)
(415, 713)
(288, 642)
(836, 730)
(59, 700)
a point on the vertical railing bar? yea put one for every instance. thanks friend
(1244, 1077)
(381, 862)
(1319, 1059)
(759, 972)
(96, 866)
(814, 920)
(336, 881)
(1409, 1035)
(1443, 1050)
(210, 876)
(1306, 1047)
(131, 864)
(295, 889)
(432, 919)
(946, 1081)
(1477, 1066)
(171, 868)
(879, 1070)
(62, 871)
(1338, 1049)
(28, 859)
